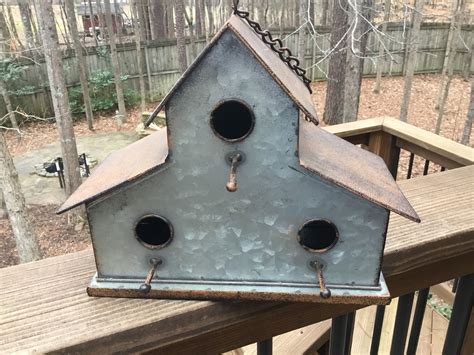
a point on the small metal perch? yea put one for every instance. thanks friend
(146, 286)
(325, 292)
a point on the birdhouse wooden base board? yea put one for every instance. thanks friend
(263, 291)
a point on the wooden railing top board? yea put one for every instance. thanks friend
(44, 306)
(461, 154)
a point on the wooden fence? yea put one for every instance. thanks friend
(160, 67)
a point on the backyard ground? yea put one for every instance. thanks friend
(56, 237)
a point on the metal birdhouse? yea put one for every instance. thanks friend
(242, 196)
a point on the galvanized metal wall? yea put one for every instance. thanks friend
(250, 234)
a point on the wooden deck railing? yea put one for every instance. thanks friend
(44, 307)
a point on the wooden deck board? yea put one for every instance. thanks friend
(44, 307)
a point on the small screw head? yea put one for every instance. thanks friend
(231, 187)
(144, 288)
(325, 293)
(156, 261)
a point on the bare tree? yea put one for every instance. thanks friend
(138, 35)
(381, 58)
(360, 17)
(157, 25)
(3, 90)
(210, 18)
(12, 27)
(411, 58)
(334, 106)
(192, 38)
(71, 15)
(450, 50)
(25, 14)
(59, 95)
(466, 134)
(448, 65)
(26, 244)
(179, 29)
(115, 63)
(302, 34)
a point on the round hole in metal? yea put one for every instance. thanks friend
(154, 231)
(318, 235)
(232, 120)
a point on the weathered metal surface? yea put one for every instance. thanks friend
(352, 168)
(121, 167)
(225, 245)
(280, 72)
(239, 291)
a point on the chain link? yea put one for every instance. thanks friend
(276, 45)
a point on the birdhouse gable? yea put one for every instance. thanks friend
(281, 73)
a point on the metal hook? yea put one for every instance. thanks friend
(234, 158)
(325, 292)
(146, 286)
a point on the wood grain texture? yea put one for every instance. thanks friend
(429, 145)
(44, 307)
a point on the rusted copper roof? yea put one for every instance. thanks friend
(121, 167)
(355, 169)
(283, 75)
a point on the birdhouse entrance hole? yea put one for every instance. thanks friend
(232, 121)
(154, 231)
(318, 235)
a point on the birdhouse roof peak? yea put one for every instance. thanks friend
(286, 75)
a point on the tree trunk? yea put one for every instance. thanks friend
(197, 6)
(4, 36)
(180, 39)
(381, 59)
(138, 35)
(466, 134)
(26, 244)
(202, 14)
(25, 19)
(157, 25)
(450, 52)
(71, 16)
(170, 19)
(302, 35)
(192, 38)
(262, 12)
(122, 113)
(9, 107)
(411, 58)
(13, 29)
(66, 34)
(59, 95)
(355, 58)
(448, 67)
(334, 106)
(210, 17)
(92, 17)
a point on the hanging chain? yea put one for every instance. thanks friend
(275, 44)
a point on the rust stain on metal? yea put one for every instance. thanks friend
(280, 72)
(359, 171)
(122, 166)
(366, 300)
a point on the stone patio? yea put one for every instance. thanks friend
(45, 190)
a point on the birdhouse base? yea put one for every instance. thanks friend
(240, 290)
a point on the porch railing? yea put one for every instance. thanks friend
(44, 307)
